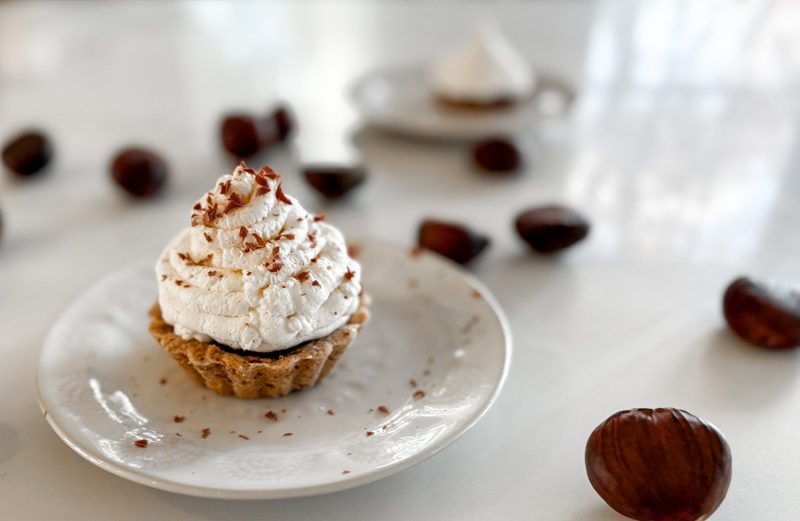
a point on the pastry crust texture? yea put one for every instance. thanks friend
(252, 376)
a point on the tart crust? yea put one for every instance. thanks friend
(250, 376)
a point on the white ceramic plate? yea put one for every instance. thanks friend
(104, 383)
(400, 99)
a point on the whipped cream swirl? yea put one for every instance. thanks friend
(484, 69)
(255, 271)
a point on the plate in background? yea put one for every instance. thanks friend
(400, 99)
(434, 331)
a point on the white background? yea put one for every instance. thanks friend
(683, 150)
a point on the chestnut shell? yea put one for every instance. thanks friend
(763, 313)
(551, 228)
(139, 171)
(659, 465)
(28, 153)
(454, 241)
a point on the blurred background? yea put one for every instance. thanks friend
(681, 148)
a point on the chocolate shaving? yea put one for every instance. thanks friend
(270, 415)
(419, 394)
(264, 190)
(196, 206)
(206, 433)
(370, 433)
(286, 434)
(286, 236)
(260, 179)
(208, 237)
(302, 276)
(276, 263)
(243, 437)
(141, 443)
(178, 419)
(319, 217)
(267, 171)
(225, 187)
(349, 274)
(242, 232)
(212, 273)
(281, 196)
(316, 283)
(245, 168)
(163, 277)
(259, 240)
(234, 201)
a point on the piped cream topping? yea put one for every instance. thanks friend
(483, 69)
(256, 271)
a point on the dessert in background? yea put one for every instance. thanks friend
(485, 71)
(257, 297)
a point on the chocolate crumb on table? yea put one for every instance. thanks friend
(383, 409)
(330, 412)
(419, 394)
(162, 381)
(369, 433)
(345, 472)
(206, 433)
(178, 419)
(178, 434)
(142, 444)
(243, 437)
(270, 415)
(286, 434)
(412, 383)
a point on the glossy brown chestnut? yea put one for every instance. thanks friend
(334, 181)
(548, 229)
(139, 171)
(659, 465)
(454, 241)
(244, 135)
(28, 153)
(763, 313)
(497, 155)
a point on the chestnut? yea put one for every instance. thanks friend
(763, 313)
(334, 181)
(244, 135)
(659, 465)
(28, 153)
(139, 171)
(454, 241)
(497, 155)
(551, 228)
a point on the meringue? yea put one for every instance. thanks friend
(485, 69)
(256, 271)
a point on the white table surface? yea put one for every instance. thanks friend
(683, 150)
